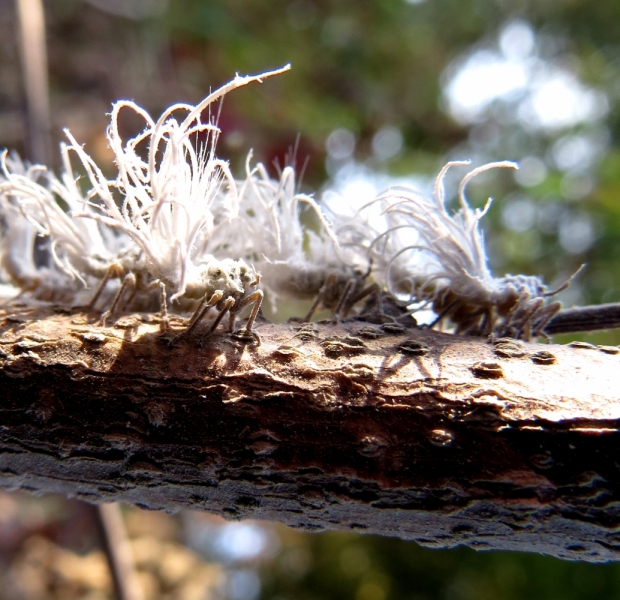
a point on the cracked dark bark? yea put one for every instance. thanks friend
(442, 439)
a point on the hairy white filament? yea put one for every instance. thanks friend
(173, 200)
(425, 249)
(294, 260)
(174, 218)
(78, 247)
(433, 257)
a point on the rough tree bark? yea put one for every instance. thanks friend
(438, 438)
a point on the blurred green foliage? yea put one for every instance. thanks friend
(339, 566)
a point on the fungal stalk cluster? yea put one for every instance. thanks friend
(296, 262)
(439, 259)
(174, 227)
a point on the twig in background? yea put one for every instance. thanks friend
(34, 66)
(118, 551)
(585, 318)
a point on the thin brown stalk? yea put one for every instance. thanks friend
(34, 66)
(118, 552)
(585, 318)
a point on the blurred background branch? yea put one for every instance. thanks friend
(118, 551)
(31, 18)
(33, 54)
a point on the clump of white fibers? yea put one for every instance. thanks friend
(174, 199)
(171, 203)
(174, 224)
(439, 259)
(296, 263)
(78, 249)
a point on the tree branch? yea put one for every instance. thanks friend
(585, 318)
(413, 433)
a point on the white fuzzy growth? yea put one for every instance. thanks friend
(18, 239)
(174, 199)
(355, 230)
(174, 215)
(17, 246)
(427, 251)
(28, 197)
(294, 261)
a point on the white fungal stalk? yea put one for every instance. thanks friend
(355, 230)
(272, 209)
(174, 219)
(172, 202)
(174, 198)
(421, 228)
(29, 203)
(440, 259)
(296, 263)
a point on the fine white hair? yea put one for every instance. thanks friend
(174, 218)
(174, 199)
(426, 249)
(293, 259)
(29, 197)
(428, 256)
